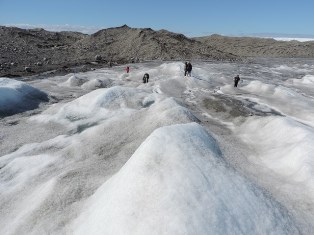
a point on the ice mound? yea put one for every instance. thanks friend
(96, 83)
(271, 91)
(227, 89)
(170, 109)
(98, 105)
(178, 183)
(17, 96)
(172, 69)
(74, 81)
(258, 87)
(284, 146)
(289, 68)
(306, 80)
(111, 98)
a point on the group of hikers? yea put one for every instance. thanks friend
(188, 70)
(145, 77)
(187, 73)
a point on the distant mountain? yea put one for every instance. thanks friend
(125, 43)
(259, 47)
(41, 50)
(27, 51)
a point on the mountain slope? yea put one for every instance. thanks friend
(124, 43)
(260, 47)
(42, 50)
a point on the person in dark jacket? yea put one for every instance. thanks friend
(145, 78)
(189, 69)
(185, 68)
(236, 80)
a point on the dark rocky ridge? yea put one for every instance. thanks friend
(260, 47)
(25, 52)
(37, 49)
(124, 43)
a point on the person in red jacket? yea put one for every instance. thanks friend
(127, 69)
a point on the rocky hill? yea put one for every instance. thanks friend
(260, 47)
(127, 44)
(32, 51)
(25, 52)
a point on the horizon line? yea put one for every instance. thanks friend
(94, 29)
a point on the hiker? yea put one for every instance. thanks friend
(145, 78)
(189, 69)
(127, 69)
(185, 68)
(236, 80)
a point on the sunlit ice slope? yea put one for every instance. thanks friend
(178, 183)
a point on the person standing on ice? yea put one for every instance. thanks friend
(185, 68)
(236, 80)
(189, 69)
(145, 78)
(127, 69)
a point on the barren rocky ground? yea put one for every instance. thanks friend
(27, 52)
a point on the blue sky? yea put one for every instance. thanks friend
(192, 18)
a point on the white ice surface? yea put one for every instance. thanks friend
(113, 144)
